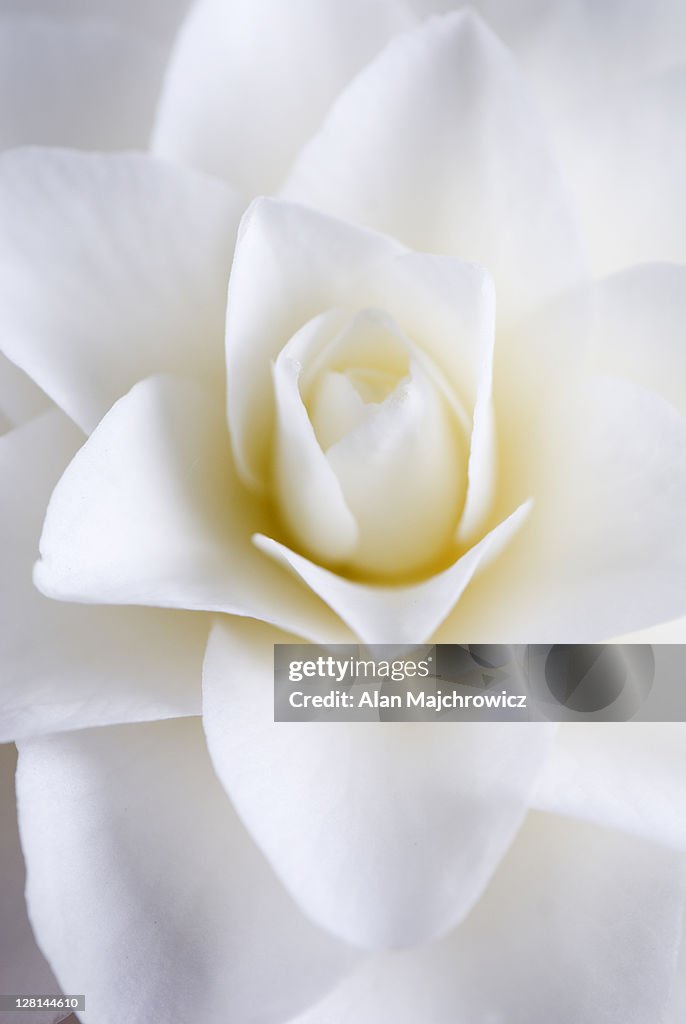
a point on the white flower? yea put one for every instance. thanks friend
(445, 427)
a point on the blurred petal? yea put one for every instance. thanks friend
(83, 83)
(23, 969)
(69, 666)
(438, 143)
(20, 399)
(666, 633)
(579, 924)
(625, 156)
(604, 551)
(111, 268)
(392, 830)
(151, 898)
(150, 512)
(250, 80)
(610, 78)
(630, 775)
(580, 48)
(639, 329)
(397, 614)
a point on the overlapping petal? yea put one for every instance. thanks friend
(579, 49)
(293, 264)
(250, 80)
(393, 831)
(150, 512)
(579, 924)
(639, 328)
(407, 613)
(131, 259)
(628, 775)
(438, 143)
(66, 666)
(604, 551)
(145, 891)
(626, 160)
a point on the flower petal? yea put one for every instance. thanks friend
(411, 434)
(23, 969)
(579, 48)
(438, 143)
(604, 550)
(70, 666)
(639, 328)
(150, 512)
(397, 614)
(250, 81)
(393, 830)
(85, 83)
(611, 80)
(578, 924)
(309, 495)
(145, 891)
(629, 775)
(111, 268)
(626, 160)
(293, 264)
(673, 632)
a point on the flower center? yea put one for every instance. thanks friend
(384, 444)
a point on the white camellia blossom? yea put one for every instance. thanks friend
(424, 413)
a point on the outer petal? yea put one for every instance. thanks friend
(630, 775)
(673, 632)
(579, 48)
(150, 512)
(610, 78)
(23, 969)
(604, 551)
(151, 898)
(579, 924)
(69, 666)
(393, 831)
(639, 328)
(626, 160)
(399, 614)
(111, 268)
(85, 83)
(438, 143)
(250, 80)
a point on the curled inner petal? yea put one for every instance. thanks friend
(373, 479)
